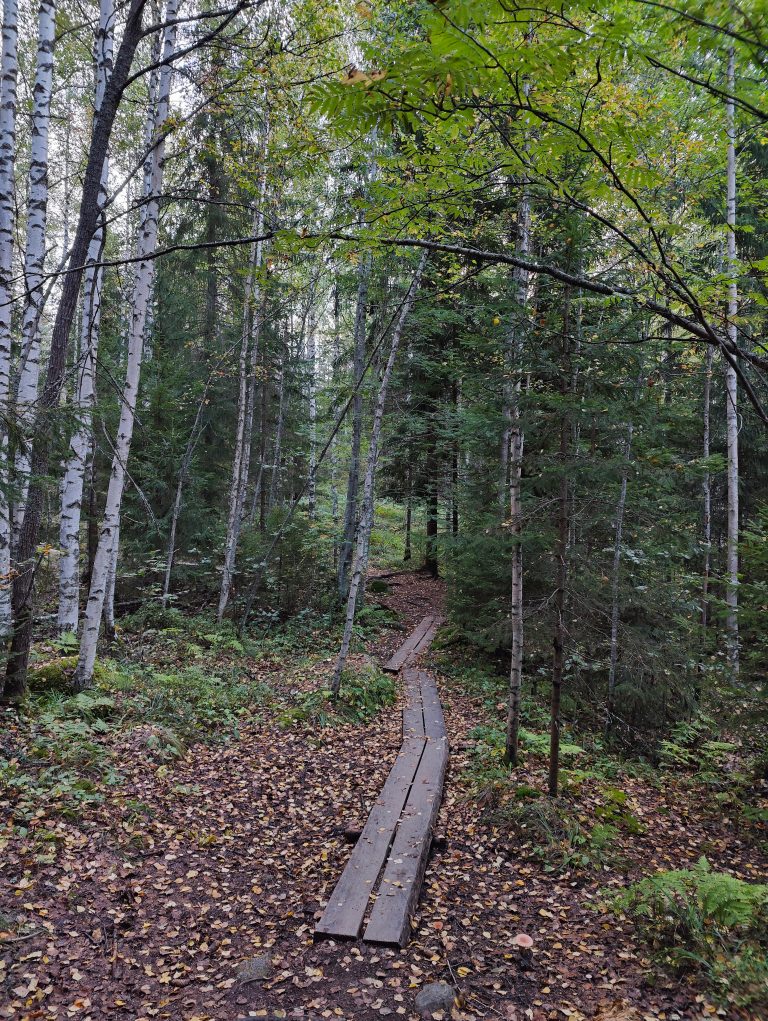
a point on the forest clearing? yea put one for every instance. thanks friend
(383, 510)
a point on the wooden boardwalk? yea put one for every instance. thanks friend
(383, 877)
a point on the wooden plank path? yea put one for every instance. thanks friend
(390, 856)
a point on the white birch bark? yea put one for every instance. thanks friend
(249, 352)
(141, 299)
(360, 561)
(34, 257)
(732, 414)
(8, 75)
(81, 444)
(515, 439)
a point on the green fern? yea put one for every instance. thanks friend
(708, 920)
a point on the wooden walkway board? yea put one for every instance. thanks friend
(408, 649)
(391, 853)
(390, 921)
(344, 913)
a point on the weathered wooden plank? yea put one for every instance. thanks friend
(398, 894)
(426, 639)
(407, 649)
(434, 721)
(413, 710)
(344, 913)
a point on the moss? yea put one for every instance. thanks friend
(55, 675)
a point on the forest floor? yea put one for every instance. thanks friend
(142, 896)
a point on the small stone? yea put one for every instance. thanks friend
(434, 997)
(254, 969)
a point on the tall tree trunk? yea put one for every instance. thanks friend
(514, 440)
(334, 457)
(249, 349)
(312, 403)
(8, 75)
(353, 479)
(706, 487)
(23, 581)
(360, 563)
(731, 387)
(81, 444)
(34, 258)
(143, 283)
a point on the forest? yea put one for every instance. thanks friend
(384, 510)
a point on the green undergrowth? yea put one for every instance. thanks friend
(708, 922)
(581, 830)
(364, 692)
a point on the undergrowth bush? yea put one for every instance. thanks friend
(708, 921)
(191, 702)
(363, 693)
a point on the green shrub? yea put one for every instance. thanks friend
(550, 830)
(710, 921)
(362, 695)
(195, 704)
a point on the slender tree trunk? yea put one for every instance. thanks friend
(430, 556)
(408, 551)
(615, 575)
(8, 75)
(147, 243)
(360, 563)
(23, 581)
(334, 458)
(34, 258)
(706, 487)
(731, 386)
(274, 482)
(109, 594)
(514, 440)
(81, 444)
(353, 480)
(249, 349)
(312, 399)
(561, 560)
(186, 463)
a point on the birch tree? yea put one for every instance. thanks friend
(147, 243)
(8, 74)
(731, 386)
(24, 577)
(81, 444)
(353, 478)
(34, 258)
(249, 352)
(360, 562)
